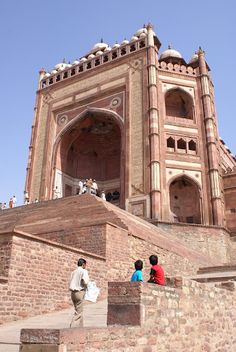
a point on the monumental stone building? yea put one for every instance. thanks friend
(140, 122)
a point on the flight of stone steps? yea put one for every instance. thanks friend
(223, 276)
(95, 315)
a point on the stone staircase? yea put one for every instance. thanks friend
(95, 315)
(224, 275)
(59, 215)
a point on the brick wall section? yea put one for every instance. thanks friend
(88, 238)
(229, 181)
(172, 263)
(233, 250)
(5, 254)
(213, 242)
(38, 277)
(192, 317)
(39, 270)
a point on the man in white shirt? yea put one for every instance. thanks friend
(14, 201)
(78, 284)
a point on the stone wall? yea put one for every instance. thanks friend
(188, 317)
(38, 269)
(38, 276)
(5, 254)
(229, 182)
(172, 263)
(88, 238)
(214, 242)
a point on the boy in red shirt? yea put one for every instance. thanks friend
(157, 275)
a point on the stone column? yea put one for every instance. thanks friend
(212, 151)
(153, 125)
(42, 72)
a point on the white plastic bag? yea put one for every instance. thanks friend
(92, 292)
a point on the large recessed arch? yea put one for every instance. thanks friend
(91, 145)
(179, 104)
(185, 200)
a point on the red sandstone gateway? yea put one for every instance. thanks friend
(140, 122)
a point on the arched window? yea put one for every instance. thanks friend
(192, 145)
(179, 104)
(181, 144)
(185, 201)
(170, 143)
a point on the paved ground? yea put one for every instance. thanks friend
(95, 314)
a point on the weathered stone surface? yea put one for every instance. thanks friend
(192, 318)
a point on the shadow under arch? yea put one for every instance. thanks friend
(179, 103)
(185, 199)
(92, 124)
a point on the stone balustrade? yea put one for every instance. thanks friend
(99, 60)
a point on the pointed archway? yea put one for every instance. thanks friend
(91, 147)
(185, 200)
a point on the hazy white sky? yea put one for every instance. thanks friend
(37, 34)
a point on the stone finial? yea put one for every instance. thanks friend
(42, 71)
(200, 51)
(149, 26)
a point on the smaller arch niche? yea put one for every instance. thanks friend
(181, 145)
(170, 143)
(192, 147)
(179, 104)
(185, 200)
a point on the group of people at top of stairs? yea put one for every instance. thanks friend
(11, 204)
(79, 282)
(90, 186)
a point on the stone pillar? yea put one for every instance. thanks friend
(153, 125)
(32, 139)
(212, 151)
(141, 304)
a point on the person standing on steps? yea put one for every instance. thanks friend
(78, 284)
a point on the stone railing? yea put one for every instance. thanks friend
(182, 69)
(99, 60)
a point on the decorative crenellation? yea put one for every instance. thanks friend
(182, 69)
(97, 60)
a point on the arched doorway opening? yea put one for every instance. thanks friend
(90, 148)
(185, 201)
(179, 104)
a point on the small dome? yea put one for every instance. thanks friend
(99, 52)
(125, 41)
(133, 38)
(53, 72)
(60, 66)
(99, 46)
(47, 75)
(75, 62)
(107, 49)
(83, 59)
(91, 56)
(194, 58)
(116, 45)
(142, 30)
(170, 53)
(142, 35)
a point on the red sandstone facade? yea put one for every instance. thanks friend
(140, 123)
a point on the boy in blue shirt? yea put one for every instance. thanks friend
(137, 275)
